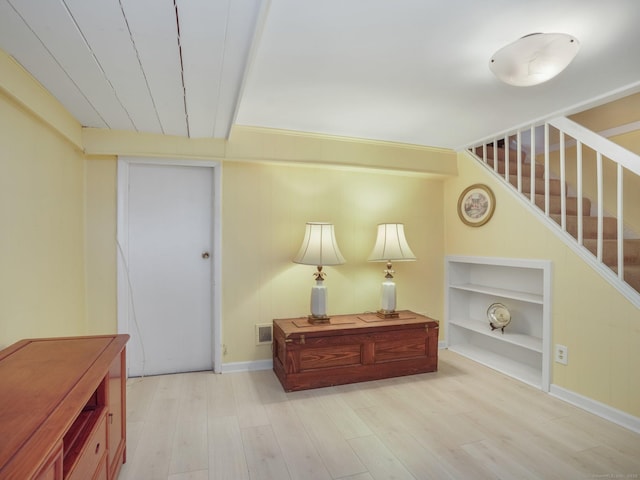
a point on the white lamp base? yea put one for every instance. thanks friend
(318, 304)
(388, 300)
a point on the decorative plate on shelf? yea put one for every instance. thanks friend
(499, 316)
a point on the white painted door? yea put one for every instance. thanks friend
(169, 257)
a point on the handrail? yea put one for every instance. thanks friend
(626, 161)
(615, 152)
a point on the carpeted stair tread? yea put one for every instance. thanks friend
(525, 168)
(571, 204)
(590, 226)
(630, 247)
(554, 185)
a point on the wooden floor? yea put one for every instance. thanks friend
(463, 422)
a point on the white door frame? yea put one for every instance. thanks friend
(123, 288)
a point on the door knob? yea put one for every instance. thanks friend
(205, 255)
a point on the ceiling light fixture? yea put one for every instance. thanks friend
(534, 58)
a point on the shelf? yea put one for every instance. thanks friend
(78, 434)
(508, 366)
(526, 341)
(524, 285)
(500, 292)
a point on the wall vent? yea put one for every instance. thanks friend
(264, 333)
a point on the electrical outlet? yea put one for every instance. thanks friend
(561, 354)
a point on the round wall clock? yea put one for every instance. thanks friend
(476, 205)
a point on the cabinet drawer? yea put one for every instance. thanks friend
(92, 456)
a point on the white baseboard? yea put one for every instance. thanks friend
(246, 366)
(605, 411)
(442, 345)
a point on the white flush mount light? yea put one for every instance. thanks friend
(534, 58)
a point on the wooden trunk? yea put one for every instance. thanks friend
(352, 348)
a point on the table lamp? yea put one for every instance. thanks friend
(319, 247)
(391, 246)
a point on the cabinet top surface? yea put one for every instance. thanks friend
(352, 323)
(39, 375)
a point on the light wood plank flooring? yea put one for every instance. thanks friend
(463, 422)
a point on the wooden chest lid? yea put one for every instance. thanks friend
(352, 324)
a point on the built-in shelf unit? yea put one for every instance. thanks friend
(523, 349)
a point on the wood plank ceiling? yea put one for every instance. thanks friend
(167, 67)
(410, 71)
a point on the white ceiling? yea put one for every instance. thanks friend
(411, 71)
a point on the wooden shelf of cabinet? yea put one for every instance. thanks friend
(507, 365)
(500, 292)
(63, 413)
(525, 341)
(522, 350)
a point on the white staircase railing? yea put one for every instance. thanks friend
(536, 147)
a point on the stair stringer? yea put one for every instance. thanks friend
(604, 271)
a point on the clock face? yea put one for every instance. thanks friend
(498, 315)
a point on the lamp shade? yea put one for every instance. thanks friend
(319, 246)
(534, 58)
(391, 244)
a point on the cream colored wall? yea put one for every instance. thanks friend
(265, 208)
(266, 202)
(100, 227)
(41, 227)
(16, 83)
(264, 144)
(612, 114)
(597, 324)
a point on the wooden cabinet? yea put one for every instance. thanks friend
(51, 468)
(353, 348)
(522, 350)
(116, 419)
(62, 408)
